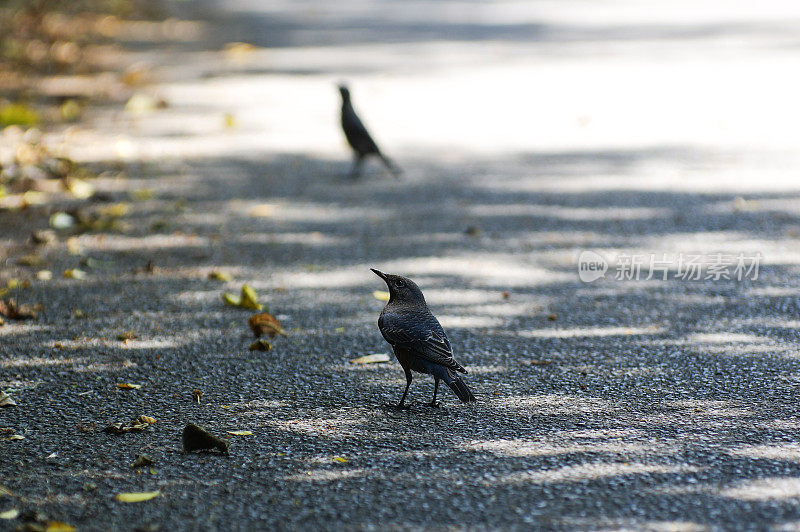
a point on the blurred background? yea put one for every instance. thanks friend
(694, 84)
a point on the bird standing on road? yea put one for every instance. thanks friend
(418, 339)
(359, 138)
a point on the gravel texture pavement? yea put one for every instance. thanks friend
(529, 132)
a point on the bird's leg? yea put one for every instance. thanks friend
(389, 164)
(402, 405)
(433, 402)
(358, 160)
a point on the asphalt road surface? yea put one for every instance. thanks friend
(529, 133)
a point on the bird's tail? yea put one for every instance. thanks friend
(456, 383)
(390, 165)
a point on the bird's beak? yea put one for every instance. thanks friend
(379, 273)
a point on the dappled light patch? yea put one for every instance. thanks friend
(775, 488)
(784, 451)
(469, 322)
(589, 332)
(551, 404)
(327, 475)
(569, 213)
(521, 448)
(595, 471)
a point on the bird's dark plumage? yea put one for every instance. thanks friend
(419, 342)
(359, 138)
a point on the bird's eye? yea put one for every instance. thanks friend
(399, 284)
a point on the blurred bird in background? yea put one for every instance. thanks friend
(359, 138)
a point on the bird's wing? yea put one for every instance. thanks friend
(425, 338)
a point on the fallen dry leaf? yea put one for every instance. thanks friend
(381, 295)
(30, 261)
(231, 300)
(14, 437)
(115, 210)
(229, 120)
(142, 460)
(128, 386)
(79, 188)
(240, 432)
(198, 439)
(10, 514)
(340, 459)
(250, 299)
(12, 311)
(265, 324)
(138, 425)
(74, 273)
(142, 194)
(141, 103)
(260, 345)
(6, 400)
(62, 220)
(218, 275)
(262, 210)
(238, 51)
(18, 114)
(137, 497)
(371, 359)
(44, 236)
(247, 299)
(58, 526)
(127, 335)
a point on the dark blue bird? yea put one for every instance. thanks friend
(359, 138)
(420, 344)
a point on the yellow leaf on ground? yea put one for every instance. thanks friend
(339, 459)
(128, 386)
(250, 299)
(240, 432)
(10, 514)
(371, 359)
(381, 295)
(57, 526)
(74, 273)
(247, 299)
(218, 275)
(19, 114)
(116, 210)
(137, 497)
(141, 194)
(80, 189)
(232, 300)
